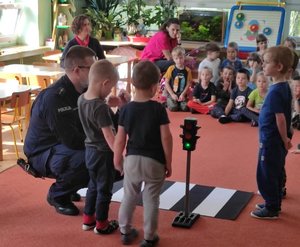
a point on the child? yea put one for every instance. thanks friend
(296, 101)
(274, 132)
(290, 42)
(212, 60)
(145, 124)
(223, 89)
(238, 99)
(261, 43)
(177, 81)
(98, 126)
(256, 99)
(254, 65)
(204, 93)
(232, 57)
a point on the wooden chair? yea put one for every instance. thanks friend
(52, 52)
(16, 76)
(37, 80)
(20, 103)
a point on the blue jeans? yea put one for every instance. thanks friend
(101, 170)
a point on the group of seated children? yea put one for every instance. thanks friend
(226, 89)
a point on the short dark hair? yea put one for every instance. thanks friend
(296, 78)
(76, 56)
(78, 22)
(233, 45)
(145, 74)
(292, 41)
(244, 71)
(254, 56)
(212, 46)
(261, 37)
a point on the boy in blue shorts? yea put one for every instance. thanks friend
(274, 132)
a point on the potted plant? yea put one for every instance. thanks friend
(164, 10)
(136, 16)
(104, 15)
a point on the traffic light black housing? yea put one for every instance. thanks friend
(189, 134)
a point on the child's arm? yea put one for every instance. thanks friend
(167, 143)
(119, 145)
(184, 92)
(281, 125)
(109, 136)
(213, 99)
(250, 106)
(229, 106)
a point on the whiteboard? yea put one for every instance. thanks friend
(245, 22)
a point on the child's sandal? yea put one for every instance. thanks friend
(111, 227)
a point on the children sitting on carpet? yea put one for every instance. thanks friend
(223, 89)
(238, 99)
(204, 93)
(177, 81)
(256, 99)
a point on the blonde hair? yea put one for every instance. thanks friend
(283, 55)
(103, 70)
(178, 51)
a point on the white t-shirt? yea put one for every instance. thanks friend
(214, 65)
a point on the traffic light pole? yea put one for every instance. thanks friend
(186, 219)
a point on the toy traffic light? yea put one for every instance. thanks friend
(189, 134)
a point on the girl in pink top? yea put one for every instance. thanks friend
(159, 48)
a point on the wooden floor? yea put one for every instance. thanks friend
(225, 157)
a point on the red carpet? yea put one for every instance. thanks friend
(225, 157)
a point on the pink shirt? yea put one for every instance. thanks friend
(159, 42)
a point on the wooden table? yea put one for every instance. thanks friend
(6, 91)
(26, 70)
(114, 59)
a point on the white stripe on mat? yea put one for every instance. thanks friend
(172, 195)
(214, 202)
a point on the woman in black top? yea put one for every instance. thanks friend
(81, 27)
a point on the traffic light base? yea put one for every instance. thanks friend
(186, 221)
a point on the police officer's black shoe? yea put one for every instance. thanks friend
(75, 197)
(66, 208)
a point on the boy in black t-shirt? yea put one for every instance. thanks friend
(238, 99)
(144, 123)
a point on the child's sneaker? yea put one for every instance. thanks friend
(110, 228)
(224, 119)
(150, 243)
(264, 213)
(129, 237)
(262, 205)
(89, 222)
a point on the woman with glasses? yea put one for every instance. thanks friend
(81, 27)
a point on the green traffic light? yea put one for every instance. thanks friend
(187, 145)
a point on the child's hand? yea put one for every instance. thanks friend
(174, 97)
(168, 172)
(113, 101)
(181, 97)
(287, 144)
(124, 96)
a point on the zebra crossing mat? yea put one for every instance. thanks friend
(204, 200)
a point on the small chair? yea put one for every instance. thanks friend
(37, 80)
(20, 103)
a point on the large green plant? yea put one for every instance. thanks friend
(104, 15)
(134, 11)
(164, 10)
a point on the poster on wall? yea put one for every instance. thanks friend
(247, 21)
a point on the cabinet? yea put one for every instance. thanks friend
(63, 12)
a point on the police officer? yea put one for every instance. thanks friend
(54, 144)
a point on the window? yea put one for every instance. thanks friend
(9, 16)
(294, 29)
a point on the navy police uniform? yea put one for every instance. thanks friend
(54, 144)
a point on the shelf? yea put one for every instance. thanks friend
(64, 4)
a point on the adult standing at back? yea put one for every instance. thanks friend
(81, 28)
(160, 46)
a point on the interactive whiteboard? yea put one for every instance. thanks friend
(245, 22)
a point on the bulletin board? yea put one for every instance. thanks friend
(246, 21)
